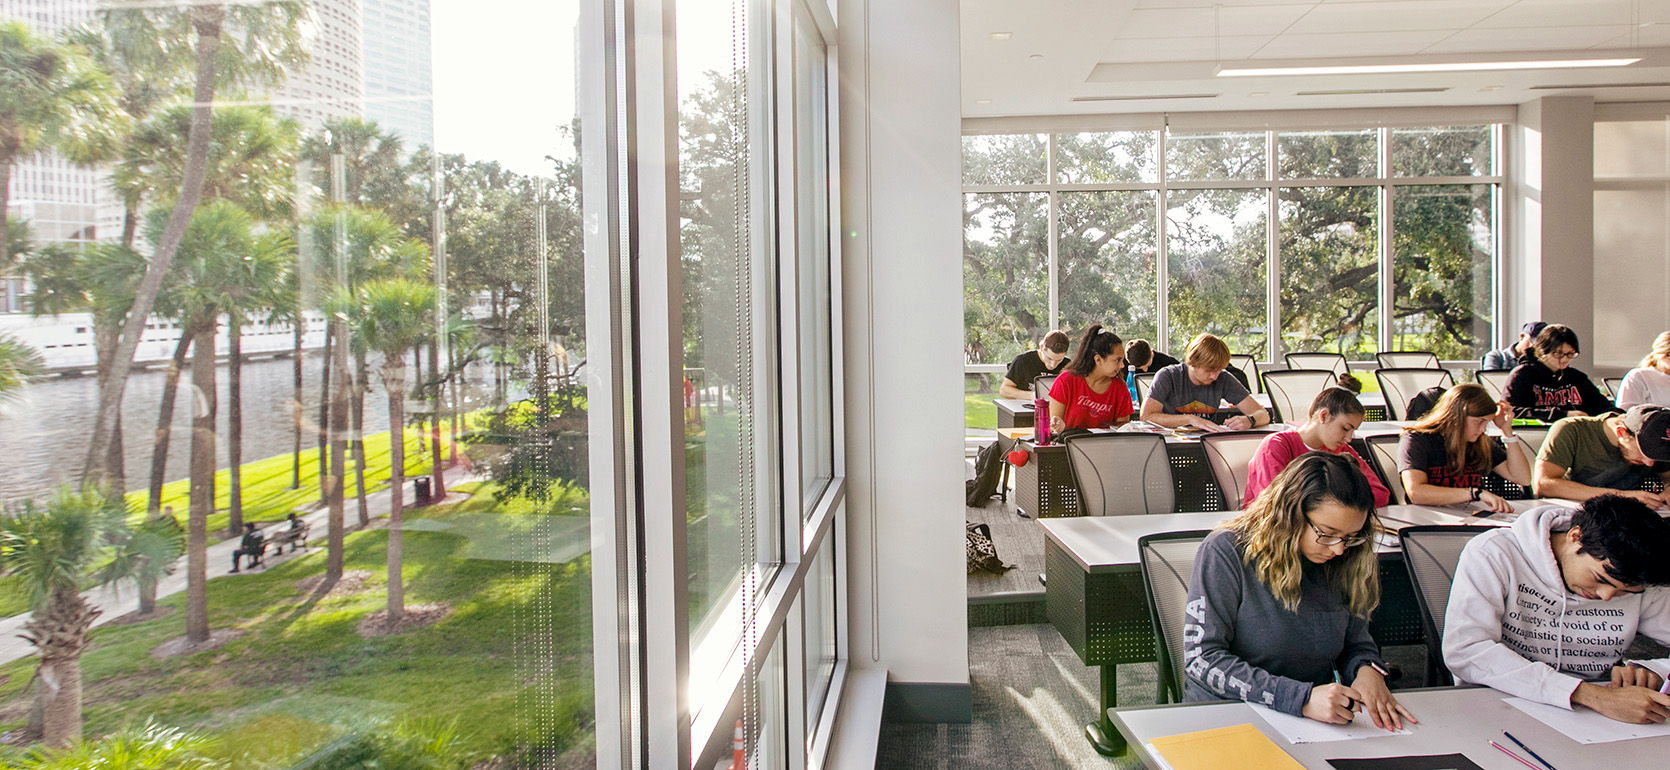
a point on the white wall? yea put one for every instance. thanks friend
(1549, 274)
(902, 282)
(1632, 235)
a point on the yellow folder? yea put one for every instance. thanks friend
(1242, 747)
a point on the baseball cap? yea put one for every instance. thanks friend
(1532, 329)
(1651, 426)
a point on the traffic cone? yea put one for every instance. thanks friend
(738, 759)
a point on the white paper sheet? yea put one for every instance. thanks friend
(1586, 726)
(1302, 730)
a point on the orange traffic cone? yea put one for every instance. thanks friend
(739, 760)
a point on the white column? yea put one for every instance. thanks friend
(1549, 275)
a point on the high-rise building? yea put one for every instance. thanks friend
(398, 78)
(331, 84)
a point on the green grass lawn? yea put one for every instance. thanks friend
(511, 662)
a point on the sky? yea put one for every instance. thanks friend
(504, 73)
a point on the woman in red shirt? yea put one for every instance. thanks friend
(1091, 392)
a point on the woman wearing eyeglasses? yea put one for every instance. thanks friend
(1280, 599)
(1545, 386)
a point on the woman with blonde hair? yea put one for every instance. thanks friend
(1280, 600)
(1444, 457)
(1650, 384)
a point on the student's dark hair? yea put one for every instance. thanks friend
(1337, 401)
(1138, 352)
(1350, 382)
(1630, 537)
(1056, 341)
(1095, 342)
(1552, 337)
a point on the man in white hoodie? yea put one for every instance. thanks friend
(1545, 609)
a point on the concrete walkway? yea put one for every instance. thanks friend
(123, 598)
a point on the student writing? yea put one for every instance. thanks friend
(1091, 392)
(1188, 394)
(1335, 415)
(1443, 458)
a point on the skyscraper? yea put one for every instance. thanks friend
(398, 82)
(331, 84)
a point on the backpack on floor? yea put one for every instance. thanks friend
(982, 552)
(988, 468)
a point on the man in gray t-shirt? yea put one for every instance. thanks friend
(1187, 395)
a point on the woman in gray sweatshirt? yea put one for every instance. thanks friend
(1280, 599)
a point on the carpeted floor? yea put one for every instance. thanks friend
(1019, 542)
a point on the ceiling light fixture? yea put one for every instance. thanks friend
(1001, 35)
(1387, 69)
(982, 101)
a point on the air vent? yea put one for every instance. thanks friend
(1143, 98)
(1360, 91)
(1601, 85)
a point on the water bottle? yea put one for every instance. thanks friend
(1041, 421)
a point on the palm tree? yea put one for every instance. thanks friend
(260, 40)
(259, 282)
(208, 280)
(146, 554)
(393, 317)
(53, 96)
(18, 363)
(55, 551)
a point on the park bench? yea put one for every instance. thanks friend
(296, 538)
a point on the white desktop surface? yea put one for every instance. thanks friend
(1453, 721)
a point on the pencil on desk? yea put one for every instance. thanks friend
(1521, 759)
(1528, 750)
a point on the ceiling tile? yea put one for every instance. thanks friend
(1292, 46)
(1560, 13)
(1184, 48)
(1656, 36)
(1396, 15)
(1207, 4)
(1562, 39)
(1193, 22)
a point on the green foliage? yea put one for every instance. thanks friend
(18, 363)
(252, 159)
(57, 547)
(428, 744)
(150, 747)
(545, 444)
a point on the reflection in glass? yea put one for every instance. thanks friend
(1447, 151)
(1329, 154)
(817, 450)
(1005, 159)
(1442, 260)
(433, 592)
(1114, 156)
(1211, 156)
(1215, 244)
(819, 599)
(1005, 275)
(1330, 270)
(1106, 250)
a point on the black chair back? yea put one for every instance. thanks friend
(1168, 563)
(1118, 474)
(1401, 385)
(1291, 391)
(1229, 454)
(1333, 362)
(1431, 553)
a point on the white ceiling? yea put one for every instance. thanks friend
(1090, 50)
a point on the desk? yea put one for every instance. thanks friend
(1093, 592)
(1454, 720)
(1013, 412)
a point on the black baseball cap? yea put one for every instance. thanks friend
(1651, 426)
(1532, 329)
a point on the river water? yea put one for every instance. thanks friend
(44, 436)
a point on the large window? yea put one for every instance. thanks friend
(1346, 240)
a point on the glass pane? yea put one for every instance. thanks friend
(765, 711)
(1005, 159)
(979, 411)
(725, 242)
(1446, 151)
(1005, 275)
(1115, 156)
(1633, 148)
(1215, 245)
(819, 598)
(1210, 156)
(1329, 154)
(418, 404)
(1330, 270)
(1442, 262)
(1107, 262)
(811, 180)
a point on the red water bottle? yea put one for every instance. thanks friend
(1041, 421)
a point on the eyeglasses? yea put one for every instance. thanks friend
(1323, 538)
(1567, 356)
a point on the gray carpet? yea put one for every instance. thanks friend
(1019, 542)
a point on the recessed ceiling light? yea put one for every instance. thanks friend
(1491, 88)
(1259, 94)
(1384, 69)
(1000, 35)
(1362, 91)
(982, 101)
(1142, 98)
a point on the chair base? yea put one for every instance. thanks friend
(1107, 741)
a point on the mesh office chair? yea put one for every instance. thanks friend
(1168, 563)
(1612, 385)
(1493, 380)
(1145, 383)
(1408, 359)
(1119, 474)
(1333, 362)
(1431, 554)
(1382, 452)
(1292, 391)
(1229, 455)
(1249, 365)
(1531, 437)
(1400, 385)
(1041, 385)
